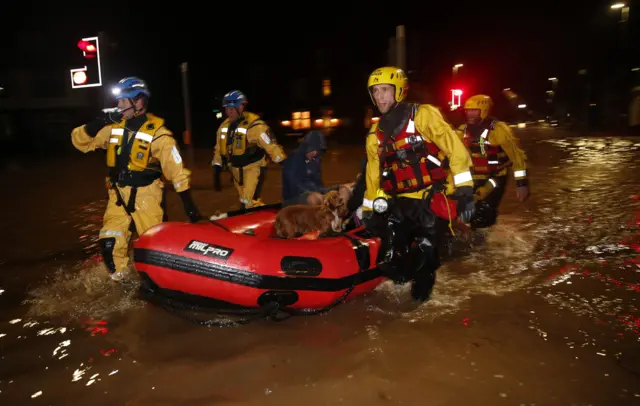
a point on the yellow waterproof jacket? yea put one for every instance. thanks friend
(163, 147)
(502, 136)
(430, 124)
(252, 139)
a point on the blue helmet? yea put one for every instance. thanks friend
(130, 88)
(234, 98)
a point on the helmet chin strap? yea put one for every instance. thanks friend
(238, 112)
(136, 112)
(475, 120)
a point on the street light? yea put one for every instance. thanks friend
(624, 11)
(454, 84)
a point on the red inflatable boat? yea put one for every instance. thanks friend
(238, 260)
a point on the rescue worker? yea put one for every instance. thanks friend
(243, 138)
(493, 148)
(140, 149)
(404, 163)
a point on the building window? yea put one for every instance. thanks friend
(326, 87)
(300, 120)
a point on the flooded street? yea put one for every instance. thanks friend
(541, 310)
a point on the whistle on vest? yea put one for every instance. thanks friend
(413, 139)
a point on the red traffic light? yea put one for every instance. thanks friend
(456, 98)
(88, 48)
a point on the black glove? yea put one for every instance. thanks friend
(113, 116)
(190, 208)
(216, 178)
(96, 125)
(102, 121)
(466, 206)
(357, 195)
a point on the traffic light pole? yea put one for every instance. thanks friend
(401, 61)
(105, 91)
(188, 139)
(396, 52)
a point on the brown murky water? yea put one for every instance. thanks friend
(541, 310)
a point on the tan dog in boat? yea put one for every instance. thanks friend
(297, 220)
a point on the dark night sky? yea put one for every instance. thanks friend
(261, 48)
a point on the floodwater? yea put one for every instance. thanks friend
(541, 310)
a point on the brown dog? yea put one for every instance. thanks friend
(293, 221)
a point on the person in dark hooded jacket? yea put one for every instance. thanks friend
(302, 172)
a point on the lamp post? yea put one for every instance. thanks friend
(454, 73)
(552, 94)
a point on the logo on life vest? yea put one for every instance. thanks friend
(208, 250)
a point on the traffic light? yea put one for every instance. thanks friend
(79, 77)
(456, 96)
(89, 49)
(91, 74)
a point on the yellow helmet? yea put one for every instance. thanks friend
(390, 75)
(481, 102)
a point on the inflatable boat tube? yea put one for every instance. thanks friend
(238, 260)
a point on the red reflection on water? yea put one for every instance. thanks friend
(564, 269)
(95, 326)
(631, 321)
(108, 352)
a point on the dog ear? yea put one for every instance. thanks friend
(314, 198)
(334, 201)
(328, 200)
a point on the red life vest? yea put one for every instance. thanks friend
(487, 159)
(408, 162)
